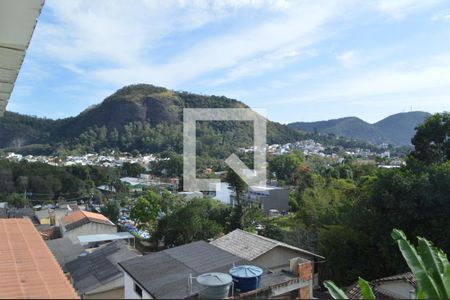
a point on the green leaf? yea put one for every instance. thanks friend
(335, 292)
(424, 282)
(420, 295)
(446, 273)
(434, 264)
(366, 290)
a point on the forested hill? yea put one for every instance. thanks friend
(138, 117)
(397, 129)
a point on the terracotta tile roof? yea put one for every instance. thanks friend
(27, 267)
(81, 217)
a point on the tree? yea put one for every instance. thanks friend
(239, 186)
(132, 170)
(111, 210)
(145, 210)
(199, 219)
(17, 200)
(432, 139)
(284, 166)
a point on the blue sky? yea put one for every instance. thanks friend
(299, 60)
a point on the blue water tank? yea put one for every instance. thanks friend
(246, 278)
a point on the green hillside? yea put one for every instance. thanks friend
(138, 117)
(400, 127)
(397, 129)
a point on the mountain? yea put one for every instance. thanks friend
(397, 129)
(139, 117)
(400, 128)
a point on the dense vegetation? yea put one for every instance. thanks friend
(347, 211)
(138, 117)
(41, 183)
(342, 210)
(397, 129)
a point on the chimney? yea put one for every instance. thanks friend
(305, 272)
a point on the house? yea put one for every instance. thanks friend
(265, 252)
(166, 274)
(82, 222)
(269, 197)
(27, 267)
(64, 250)
(97, 275)
(401, 286)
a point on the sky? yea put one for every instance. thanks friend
(299, 60)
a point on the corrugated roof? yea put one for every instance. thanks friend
(101, 237)
(99, 267)
(27, 267)
(64, 250)
(17, 22)
(250, 246)
(81, 217)
(165, 274)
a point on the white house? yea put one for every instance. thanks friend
(81, 222)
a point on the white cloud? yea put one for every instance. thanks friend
(400, 8)
(106, 44)
(442, 16)
(347, 58)
(116, 41)
(397, 83)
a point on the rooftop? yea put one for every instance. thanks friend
(100, 267)
(165, 274)
(102, 237)
(64, 250)
(354, 292)
(81, 217)
(27, 267)
(261, 188)
(249, 246)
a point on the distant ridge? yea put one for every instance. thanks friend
(397, 129)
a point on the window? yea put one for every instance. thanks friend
(138, 290)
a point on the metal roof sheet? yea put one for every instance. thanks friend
(17, 22)
(92, 238)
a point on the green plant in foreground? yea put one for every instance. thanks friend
(429, 264)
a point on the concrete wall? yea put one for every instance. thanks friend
(129, 289)
(278, 257)
(89, 228)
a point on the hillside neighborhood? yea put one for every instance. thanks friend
(110, 189)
